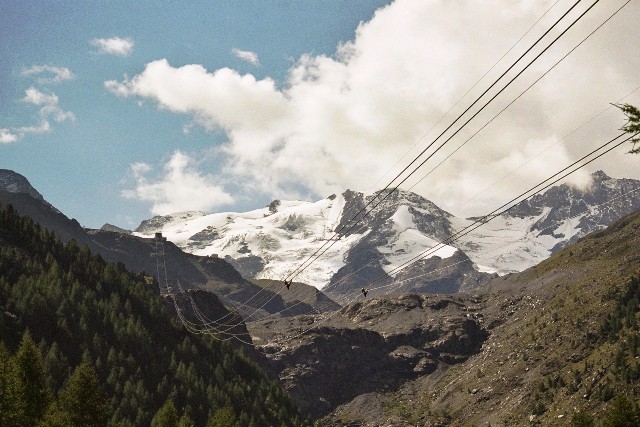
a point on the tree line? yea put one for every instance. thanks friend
(84, 342)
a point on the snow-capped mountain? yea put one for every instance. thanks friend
(535, 228)
(273, 241)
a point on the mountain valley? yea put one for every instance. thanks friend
(446, 342)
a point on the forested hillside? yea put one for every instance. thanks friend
(84, 342)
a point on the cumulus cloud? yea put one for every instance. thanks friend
(34, 96)
(7, 137)
(49, 110)
(51, 74)
(114, 46)
(180, 187)
(342, 121)
(247, 56)
(49, 104)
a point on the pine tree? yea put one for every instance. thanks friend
(11, 408)
(582, 419)
(186, 421)
(633, 124)
(223, 417)
(621, 414)
(56, 418)
(167, 416)
(83, 399)
(36, 394)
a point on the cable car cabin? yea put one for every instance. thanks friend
(158, 237)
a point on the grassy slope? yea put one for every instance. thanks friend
(546, 354)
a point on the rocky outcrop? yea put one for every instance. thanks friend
(13, 182)
(114, 229)
(613, 197)
(370, 346)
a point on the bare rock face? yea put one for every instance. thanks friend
(371, 346)
(13, 182)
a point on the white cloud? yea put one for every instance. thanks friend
(49, 109)
(181, 187)
(247, 56)
(55, 74)
(34, 96)
(341, 122)
(114, 46)
(7, 137)
(43, 127)
(49, 104)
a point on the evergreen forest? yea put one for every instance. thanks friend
(84, 342)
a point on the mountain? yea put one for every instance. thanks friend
(272, 242)
(164, 260)
(370, 345)
(63, 309)
(534, 229)
(13, 182)
(529, 348)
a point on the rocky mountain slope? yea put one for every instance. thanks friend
(13, 182)
(273, 241)
(144, 254)
(372, 345)
(561, 338)
(547, 222)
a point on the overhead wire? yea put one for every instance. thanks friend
(521, 94)
(503, 209)
(492, 215)
(396, 283)
(558, 141)
(490, 101)
(320, 251)
(467, 92)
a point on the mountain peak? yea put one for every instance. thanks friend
(600, 176)
(114, 229)
(13, 182)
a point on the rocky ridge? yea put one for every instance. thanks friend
(372, 345)
(143, 254)
(547, 355)
(271, 242)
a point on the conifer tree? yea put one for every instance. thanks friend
(35, 391)
(582, 419)
(83, 399)
(633, 124)
(223, 417)
(167, 416)
(11, 408)
(185, 421)
(621, 414)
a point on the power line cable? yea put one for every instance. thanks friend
(466, 93)
(338, 233)
(497, 212)
(492, 215)
(494, 98)
(521, 94)
(319, 253)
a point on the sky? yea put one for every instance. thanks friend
(118, 111)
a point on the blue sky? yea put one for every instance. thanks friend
(116, 111)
